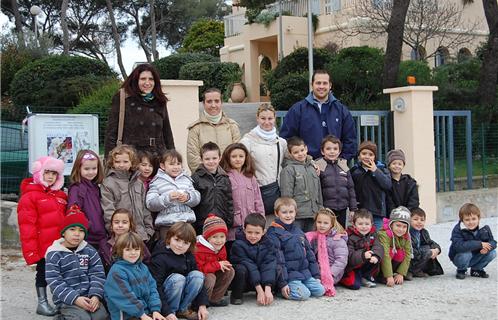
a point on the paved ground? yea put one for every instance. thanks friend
(441, 297)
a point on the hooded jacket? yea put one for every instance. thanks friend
(74, 274)
(403, 193)
(203, 131)
(158, 198)
(337, 185)
(304, 119)
(130, 290)
(165, 262)
(299, 181)
(207, 257)
(465, 240)
(397, 249)
(115, 192)
(40, 212)
(142, 217)
(358, 244)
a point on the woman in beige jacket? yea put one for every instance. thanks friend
(213, 125)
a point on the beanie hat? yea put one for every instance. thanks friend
(401, 214)
(396, 154)
(48, 163)
(368, 145)
(74, 218)
(212, 225)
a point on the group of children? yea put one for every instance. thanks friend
(152, 242)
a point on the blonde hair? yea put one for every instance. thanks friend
(469, 209)
(285, 201)
(119, 150)
(333, 219)
(78, 162)
(265, 106)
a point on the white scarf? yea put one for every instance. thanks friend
(266, 135)
(213, 119)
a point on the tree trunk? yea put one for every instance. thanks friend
(18, 22)
(155, 54)
(395, 30)
(65, 32)
(115, 34)
(489, 70)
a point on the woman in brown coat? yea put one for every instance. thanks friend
(146, 121)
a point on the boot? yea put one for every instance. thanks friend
(44, 308)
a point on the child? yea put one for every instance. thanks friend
(298, 271)
(255, 262)
(211, 258)
(425, 250)
(299, 180)
(121, 222)
(139, 184)
(40, 210)
(84, 191)
(365, 252)
(130, 291)
(179, 282)
(329, 243)
(237, 162)
(335, 179)
(214, 185)
(74, 271)
(404, 191)
(471, 247)
(116, 185)
(172, 193)
(372, 182)
(395, 239)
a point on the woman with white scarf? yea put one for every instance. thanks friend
(267, 150)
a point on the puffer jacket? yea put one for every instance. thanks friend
(141, 215)
(295, 257)
(337, 250)
(40, 212)
(158, 198)
(404, 193)
(216, 196)
(358, 244)
(337, 186)
(115, 193)
(300, 182)
(206, 257)
(265, 155)
(202, 131)
(398, 249)
(464, 240)
(146, 125)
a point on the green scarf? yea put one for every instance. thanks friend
(148, 97)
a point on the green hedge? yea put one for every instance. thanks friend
(416, 68)
(169, 67)
(289, 89)
(13, 59)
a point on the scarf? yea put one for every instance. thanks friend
(213, 119)
(323, 261)
(266, 135)
(148, 97)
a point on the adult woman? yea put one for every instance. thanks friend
(213, 125)
(146, 122)
(267, 150)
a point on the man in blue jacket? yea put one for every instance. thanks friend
(318, 115)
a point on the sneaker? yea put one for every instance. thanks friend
(460, 275)
(222, 303)
(236, 301)
(408, 277)
(187, 314)
(420, 274)
(368, 283)
(479, 274)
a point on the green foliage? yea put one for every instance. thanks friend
(169, 67)
(13, 59)
(57, 81)
(356, 74)
(266, 17)
(289, 89)
(214, 74)
(419, 69)
(205, 36)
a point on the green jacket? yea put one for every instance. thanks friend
(402, 253)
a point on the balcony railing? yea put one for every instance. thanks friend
(233, 24)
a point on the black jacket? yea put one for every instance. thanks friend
(337, 187)
(216, 196)
(358, 244)
(404, 193)
(433, 267)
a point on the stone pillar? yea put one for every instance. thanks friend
(183, 109)
(414, 134)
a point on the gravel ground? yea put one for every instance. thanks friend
(440, 297)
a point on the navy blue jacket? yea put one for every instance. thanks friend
(464, 240)
(337, 187)
(260, 259)
(295, 257)
(371, 188)
(305, 120)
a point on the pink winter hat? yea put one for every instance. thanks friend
(50, 164)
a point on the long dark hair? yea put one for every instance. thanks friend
(131, 83)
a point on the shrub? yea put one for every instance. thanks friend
(214, 74)
(13, 59)
(204, 36)
(169, 67)
(57, 81)
(417, 68)
(289, 89)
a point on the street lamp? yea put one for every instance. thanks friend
(310, 41)
(35, 10)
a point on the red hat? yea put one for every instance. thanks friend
(74, 218)
(212, 225)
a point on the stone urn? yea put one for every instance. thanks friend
(238, 95)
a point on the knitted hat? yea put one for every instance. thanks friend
(51, 164)
(396, 154)
(212, 225)
(368, 145)
(74, 218)
(401, 214)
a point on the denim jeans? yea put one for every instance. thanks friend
(378, 222)
(180, 291)
(474, 261)
(302, 290)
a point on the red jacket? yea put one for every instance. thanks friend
(207, 259)
(39, 212)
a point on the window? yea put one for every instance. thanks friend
(418, 54)
(464, 54)
(441, 56)
(332, 6)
